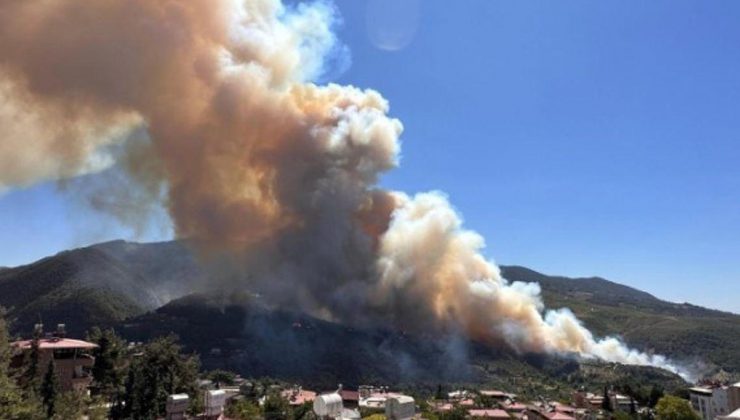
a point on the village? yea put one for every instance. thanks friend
(227, 395)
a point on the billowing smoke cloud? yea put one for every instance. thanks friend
(260, 164)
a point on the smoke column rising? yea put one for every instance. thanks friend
(260, 164)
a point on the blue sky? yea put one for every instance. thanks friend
(578, 137)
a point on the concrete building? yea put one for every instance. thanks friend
(72, 359)
(621, 402)
(712, 402)
(733, 397)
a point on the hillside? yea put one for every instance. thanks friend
(243, 334)
(703, 338)
(80, 288)
(110, 282)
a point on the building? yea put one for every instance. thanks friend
(72, 359)
(489, 413)
(350, 399)
(733, 397)
(298, 396)
(621, 402)
(496, 395)
(735, 415)
(711, 402)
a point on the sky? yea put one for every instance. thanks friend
(579, 138)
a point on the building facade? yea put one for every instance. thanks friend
(72, 359)
(712, 402)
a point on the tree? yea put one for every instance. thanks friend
(243, 410)
(457, 413)
(13, 403)
(621, 415)
(655, 395)
(222, 377)
(606, 403)
(276, 407)
(98, 409)
(303, 411)
(50, 389)
(69, 405)
(160, 370)
(31, 375)
(673, 408)
(633, 406)
(109, 368)
(439, 395)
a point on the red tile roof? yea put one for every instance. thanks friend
(516, 407)
(298, 397)
(56, 343)
(564, 408)
(489, 413)
(559, 416)
(348, 395)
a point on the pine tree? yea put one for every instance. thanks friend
(606, 404)
(157, 373)
(69, 405)
(13, 404)
(32, 372)
(50, 389)
(108, 370)
(439, 395)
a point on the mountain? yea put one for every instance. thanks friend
(79, 288)
(129, 285)
(702, 338)
(97, 285)
(242, 333)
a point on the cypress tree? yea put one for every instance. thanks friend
(606, 404)
(50, 389)
(13, 403)
(31, 374)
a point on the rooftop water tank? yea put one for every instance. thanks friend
(328, 405)
(400, 408)
(215, 401)
(177, 404)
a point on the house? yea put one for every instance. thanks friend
(497, 395)
(516, 407)
(489, 413)
(557, 415)
(621, 402)
(298, 396)
(72, 359)
(733, 397)
(350, 399)
(710, 402)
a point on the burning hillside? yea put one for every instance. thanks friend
(213, 105)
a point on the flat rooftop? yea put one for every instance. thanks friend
(55, 344)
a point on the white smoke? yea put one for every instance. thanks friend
(260, 164)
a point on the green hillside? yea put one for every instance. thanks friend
(79, 288)
(243, 334)
(703, 338)
(108, 283)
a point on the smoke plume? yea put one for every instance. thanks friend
(259, 163)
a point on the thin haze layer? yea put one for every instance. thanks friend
(259, 164)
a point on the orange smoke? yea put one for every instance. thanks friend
(258, 162)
